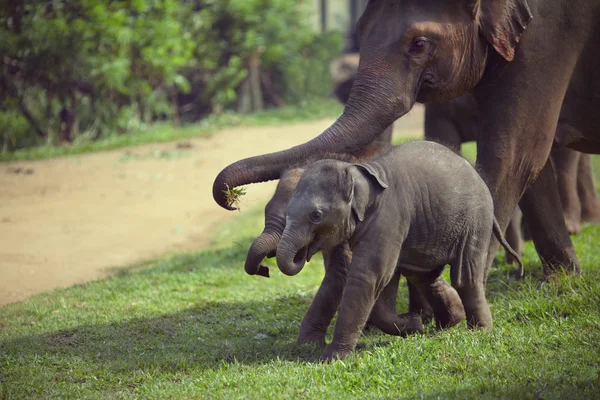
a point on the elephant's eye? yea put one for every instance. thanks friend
(419, 44)
(316, 216)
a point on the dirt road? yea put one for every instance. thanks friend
(69, 220)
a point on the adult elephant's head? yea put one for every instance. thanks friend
(410, 51)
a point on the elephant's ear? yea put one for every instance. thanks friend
(502, 22)
(360, 197)
(374, 173)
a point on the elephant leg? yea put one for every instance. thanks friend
(417, 303)
(566, 163)
(383, 315)
(386, 136)
(514, 235)
(541, 209)
(445, 301)
(325, 304)
(439, 126)
(468, 278)
(513, 149)
(373, 267)
(590, 205)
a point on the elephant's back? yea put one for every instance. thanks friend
(437, 175)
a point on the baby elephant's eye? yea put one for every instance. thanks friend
(316, 216)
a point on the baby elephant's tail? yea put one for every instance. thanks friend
(504, 243)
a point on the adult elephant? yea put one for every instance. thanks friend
(422, 51)
(456, 121)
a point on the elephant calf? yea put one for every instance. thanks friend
(410, 211)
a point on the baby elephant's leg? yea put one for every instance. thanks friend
(383, 315)
(468, 278)
(417, 303)
(447, 305)
(325, 304)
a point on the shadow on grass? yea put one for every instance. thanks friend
(199, 337)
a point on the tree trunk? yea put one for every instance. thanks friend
(175, 107)
(269, 91)
(32, 122)
(244, 98)
(68, 119)
(254, 78)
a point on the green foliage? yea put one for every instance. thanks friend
(305, 73)
(229, 32)
(102, 62)
(81, 70)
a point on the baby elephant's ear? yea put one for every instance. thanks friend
(361, 194)
(374, 173)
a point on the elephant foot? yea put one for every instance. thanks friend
(591, 214)
(566, 261)
(331, 354)
(424, 311)
(398, 325)
(317, 340)
(451, 310)
(573, 223)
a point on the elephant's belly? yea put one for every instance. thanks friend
(423, 259)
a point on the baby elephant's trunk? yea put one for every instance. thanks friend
(504, 243)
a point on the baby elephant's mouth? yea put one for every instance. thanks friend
(305, 253)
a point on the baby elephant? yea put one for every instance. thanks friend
(412, 210)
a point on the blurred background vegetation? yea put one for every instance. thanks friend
(77, 71)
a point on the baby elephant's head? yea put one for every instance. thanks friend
(331, 198)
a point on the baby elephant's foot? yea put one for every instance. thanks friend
(408, 324)
(451, 310)
(331, 354)
(398, 325)
(315, 339)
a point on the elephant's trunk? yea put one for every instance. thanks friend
(292, 252)
(376, 101)
(263, 246)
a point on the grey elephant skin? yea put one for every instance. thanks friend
(529, 63)
(406, 211)
(456, 121)
(337, 260)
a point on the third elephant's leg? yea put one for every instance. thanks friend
(325, 304)
(541, 209)
(514, 235)
(383, 315)
(386, 136)
(566, 164)
(447, 305)
(590, 205)
(417, 303)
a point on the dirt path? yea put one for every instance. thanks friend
(69, 220)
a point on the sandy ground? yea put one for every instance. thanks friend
(71, 220)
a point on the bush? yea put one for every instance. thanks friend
(79, 70)
(305, 74)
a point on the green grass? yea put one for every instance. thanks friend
(194, 325)
(162, 132)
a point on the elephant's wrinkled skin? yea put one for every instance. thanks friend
(456, 121)
(403, 212)
(324, 306)
(520, 58)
